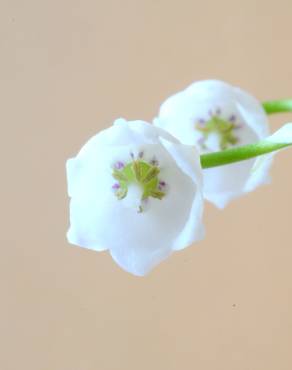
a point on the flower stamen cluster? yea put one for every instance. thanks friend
(141, 175)
(222, 128)
(138, 190)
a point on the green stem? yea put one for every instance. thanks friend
(277, 106)
(240, 153)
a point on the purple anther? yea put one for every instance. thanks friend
(232, 118)
(119, 165)
(132, 155)
(162, 185)
(202, 121)
(141, 154)
(116, 186)
(154, 162)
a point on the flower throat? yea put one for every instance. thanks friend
(140, 174)
(222, 128)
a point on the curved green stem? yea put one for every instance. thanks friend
(240, 153)
(277, 106)
(279, 140)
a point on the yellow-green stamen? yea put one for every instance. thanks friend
(224, 129)
(141, 173)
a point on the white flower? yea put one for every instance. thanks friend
(136, 191)
(215, 116)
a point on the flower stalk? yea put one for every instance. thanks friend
(238, 154)
(278, 106)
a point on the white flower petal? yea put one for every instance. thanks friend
(156, 228)
(99, 220)
(283, 135)
(260, 170)
(141, 263)
(184, 113)
(253, 113)
(187, 159)
(225, 183)
(259, 174)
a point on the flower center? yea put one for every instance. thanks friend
(223, 129)
(137, 181)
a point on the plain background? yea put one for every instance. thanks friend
(68, 69)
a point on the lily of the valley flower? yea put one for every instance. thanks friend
(215, 116)
(135, 191)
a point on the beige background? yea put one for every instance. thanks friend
(68, 68)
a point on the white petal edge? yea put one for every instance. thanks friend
(187, 159)
(282, 136)
(264, 162)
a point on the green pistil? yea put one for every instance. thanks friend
(141, 173)
(222, 128)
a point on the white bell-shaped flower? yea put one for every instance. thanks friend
(215, 116)
(136, 191)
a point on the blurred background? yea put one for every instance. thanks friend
(68, 69)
